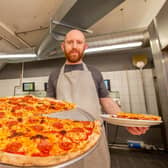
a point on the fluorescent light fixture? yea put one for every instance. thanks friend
(25, 55)
(113, 47)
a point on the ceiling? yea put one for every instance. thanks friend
(26, 24)
(129, 15)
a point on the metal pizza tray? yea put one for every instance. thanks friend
(75, 114)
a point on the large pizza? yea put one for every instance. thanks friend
(29, 139)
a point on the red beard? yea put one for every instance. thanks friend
(74, 55)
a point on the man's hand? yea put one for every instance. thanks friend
(137, 130)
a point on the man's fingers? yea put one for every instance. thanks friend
(133, 130)
(137, 130)
(144, 129)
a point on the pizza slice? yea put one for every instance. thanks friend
(138, 116)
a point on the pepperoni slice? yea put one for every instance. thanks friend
(2, 114)
(37, 128)
(65, 145)
(3, 99)
(17, 114)
(13, 147)
(20, 153)
(57, 106)
(88, 126)
(40, 154)
(51, 132)
(44, 146)
(29, 108)
(14, 102)
(42, 107)
(77, 129)
(88, 130)
(33, 120)
(11, 123)
(57, 125)
(77, 135)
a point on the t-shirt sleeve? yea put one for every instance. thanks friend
(51, 88)
(99, 82)
(102, 91)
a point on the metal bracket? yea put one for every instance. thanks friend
(52, 21)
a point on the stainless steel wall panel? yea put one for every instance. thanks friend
(162, 25)
(161, 78)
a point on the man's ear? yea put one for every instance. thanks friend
(62, 46)
(86, 46)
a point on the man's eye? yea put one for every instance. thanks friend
(79, 42)
(69, 42)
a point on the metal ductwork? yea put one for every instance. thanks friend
(50, 46)
(55, 37)
(110, 39)
(53, 51)
(69, 14)
(49, 43)
(2, 66)
(78, 20)
(118, 38)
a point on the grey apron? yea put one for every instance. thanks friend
(79, 87)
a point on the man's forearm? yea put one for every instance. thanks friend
(109, 106)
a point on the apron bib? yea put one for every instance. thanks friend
(78, 87)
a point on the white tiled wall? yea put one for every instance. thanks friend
(7, 86)
(129, 84)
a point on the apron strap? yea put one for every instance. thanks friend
(84, 68)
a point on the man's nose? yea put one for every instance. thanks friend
(74, 45)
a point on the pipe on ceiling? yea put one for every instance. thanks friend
(50, 48)
(110, 39)
(2, 66)
(118, 38)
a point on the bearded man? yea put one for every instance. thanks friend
(83, 84)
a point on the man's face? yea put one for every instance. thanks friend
(74, 46)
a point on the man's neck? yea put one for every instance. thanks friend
(72, 63)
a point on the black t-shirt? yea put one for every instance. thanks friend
(97, 77)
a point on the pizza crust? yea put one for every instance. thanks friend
(22, 160)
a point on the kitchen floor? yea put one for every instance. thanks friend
(138, 159)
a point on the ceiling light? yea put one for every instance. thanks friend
(113, 47)
(27, 55)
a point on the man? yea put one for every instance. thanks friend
(83, 85)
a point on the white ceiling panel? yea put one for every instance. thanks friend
(5, 46)
(131, 14)
(34, 38)
(21, 15)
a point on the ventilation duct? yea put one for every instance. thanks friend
(2, 66)
(77, 19)
(97, 41)
(110, 39)
(119, 38)
(49, 42)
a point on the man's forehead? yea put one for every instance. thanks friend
(75, 34)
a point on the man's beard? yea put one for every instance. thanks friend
(73, 58)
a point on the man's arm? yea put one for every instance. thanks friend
(51, 91)
(109, 105)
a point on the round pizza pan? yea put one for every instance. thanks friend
(75, 114)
